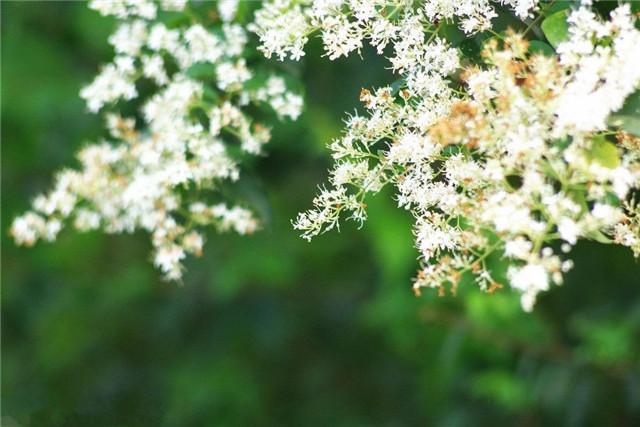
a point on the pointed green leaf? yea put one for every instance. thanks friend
(555, 28)
(599, 237)
(536, 46)
(604, 152)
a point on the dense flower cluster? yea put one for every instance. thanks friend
(161, 167)
(284, 26)
(511, 154)
(506, 161)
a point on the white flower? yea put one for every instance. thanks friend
(173, 5)
(112, 84)
(529, 280)
(569, 230)
(605, 75)
(231, 76)
(129, 38)
(168, 260)
(228, 9)
(606, 214)
(519, 248)
(28, 228)
(125, 8)
(153, 67)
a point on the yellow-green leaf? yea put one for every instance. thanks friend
(604, 152)
(555, 28)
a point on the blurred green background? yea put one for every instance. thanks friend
(271, 330)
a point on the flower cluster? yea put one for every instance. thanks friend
(284, 26)
(511, 157)
(603, 56)
(161, 165)
(511, 154)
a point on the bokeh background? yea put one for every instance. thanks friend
(269, 329)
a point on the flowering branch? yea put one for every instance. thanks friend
(507, 153)
(164, 167)
(500, 143)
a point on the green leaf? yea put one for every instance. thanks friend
(501, 387)
(210, 94)
(628, 117)
(604, 152)
(554, 7)
(397, 85)
(173, 19)
(555, 28)
(201, 71)
(562, 143)
(599, 237)
(471, 46)
(452, 33)
(537, 46)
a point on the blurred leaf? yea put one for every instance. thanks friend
(604, 152)
(598, 236)
(397, 85)
(628, 117)
(453, 33)
(201, 71)
(501, 387)
(605, 342)
(555, 28)
(555, 6)
(537, 46)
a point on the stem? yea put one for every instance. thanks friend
(537, 18)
